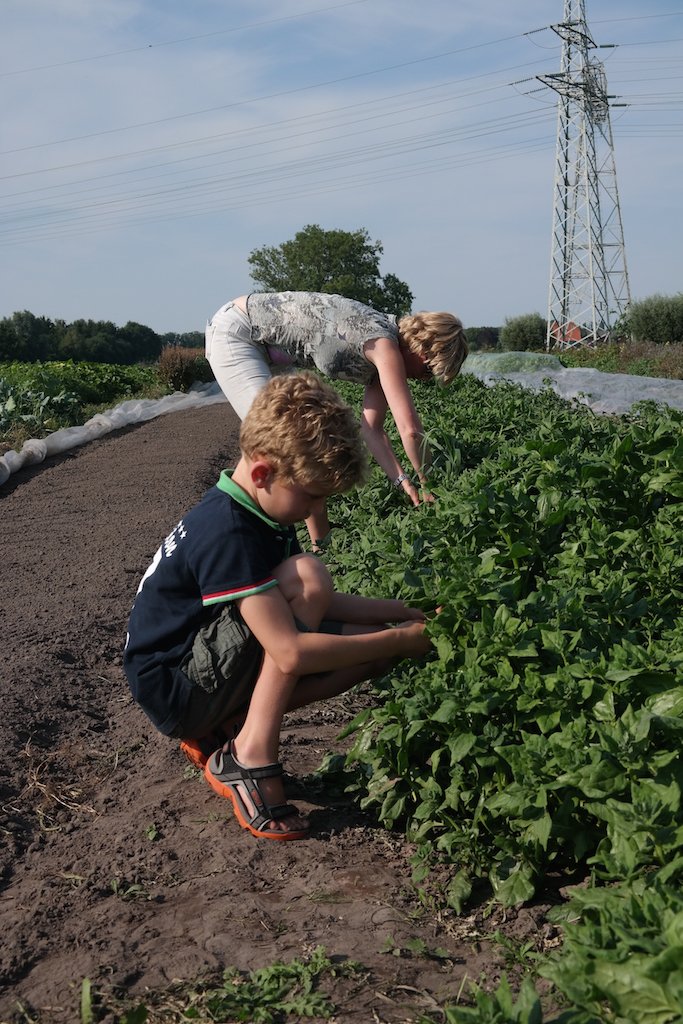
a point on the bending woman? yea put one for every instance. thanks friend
(255, 335)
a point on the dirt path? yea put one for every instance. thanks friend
(117, 862)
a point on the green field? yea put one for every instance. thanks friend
(542, 739)
(544, 734)
(37, 398)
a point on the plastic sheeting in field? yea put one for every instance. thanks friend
(124, 415)
(602, 392)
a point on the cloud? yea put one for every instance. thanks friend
(157, 149)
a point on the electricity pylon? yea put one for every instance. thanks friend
(589, 288)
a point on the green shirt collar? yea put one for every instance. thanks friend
(228, 486)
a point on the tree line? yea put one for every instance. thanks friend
(28, 338)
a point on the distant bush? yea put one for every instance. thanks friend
(522, 333)
(482, 339)
(657, 319)
(180, 368)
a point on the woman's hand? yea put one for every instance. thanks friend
(418, 497)
(409, 488)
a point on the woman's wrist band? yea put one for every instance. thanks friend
(399, 479)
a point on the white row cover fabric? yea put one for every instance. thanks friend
(602, 392)
(132, 411)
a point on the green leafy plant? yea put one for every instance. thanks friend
(269, 995)
(623, 950)
(129, 890)
(544, 731)
(498, 1007)
(37, 398)
(414, 948)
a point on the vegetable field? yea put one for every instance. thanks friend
(542, 739)
(39, 397)
(530, 764)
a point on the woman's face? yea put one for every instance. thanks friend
(416, 367)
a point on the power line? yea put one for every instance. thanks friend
(284, 122)
(260, 99)
(139, 192)
(310, 165)
(183, 39)
(242, 201)
(640, 17)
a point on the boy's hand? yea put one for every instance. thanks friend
(413, 639)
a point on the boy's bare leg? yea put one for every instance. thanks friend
(271, 699)
(312, 689)
(308, 588)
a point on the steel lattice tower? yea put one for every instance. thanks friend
(589, 288)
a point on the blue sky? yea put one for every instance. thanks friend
(148, 148)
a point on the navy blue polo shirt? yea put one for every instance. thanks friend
(224, 549)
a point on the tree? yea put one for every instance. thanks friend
(658, 319)
(28, 338)
(482, 339)
(336, 262)
(94, 341)
(144, 343)
(396, 296)
(520, 333)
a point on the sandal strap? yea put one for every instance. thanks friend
(230, 772)
(279, 811)
(266, 771)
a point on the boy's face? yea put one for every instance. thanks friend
(285, 502)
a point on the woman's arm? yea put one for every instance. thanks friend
(391, 391)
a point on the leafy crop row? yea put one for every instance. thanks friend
(545, 732)
(44, 396)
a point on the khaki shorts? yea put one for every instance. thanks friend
(223, 667)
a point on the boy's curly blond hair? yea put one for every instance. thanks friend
(439, 338)
(304, 429)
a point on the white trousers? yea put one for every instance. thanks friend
(240, 366)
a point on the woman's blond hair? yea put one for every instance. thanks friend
(439, 338)
(311, 437)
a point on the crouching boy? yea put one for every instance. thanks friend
(233, 626)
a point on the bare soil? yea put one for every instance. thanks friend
(117, 862)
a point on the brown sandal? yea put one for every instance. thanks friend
(233, 780)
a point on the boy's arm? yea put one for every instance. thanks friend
(270, 619)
